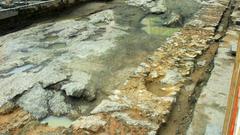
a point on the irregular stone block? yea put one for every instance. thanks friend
(172, 77)
(109, 106)
(91, 123)
(57, 104)
(35, 101)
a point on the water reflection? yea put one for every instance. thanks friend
(152, 27)
(53, 121)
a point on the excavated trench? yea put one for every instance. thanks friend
(182, 113)
(107, 56)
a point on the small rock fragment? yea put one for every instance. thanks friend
(172, 77)
(109, 106)
(57, 104)
(7, 108)
(201, 63)
(91, 123)
(154, 74)
(78, 86)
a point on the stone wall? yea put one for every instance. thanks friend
(14, 18)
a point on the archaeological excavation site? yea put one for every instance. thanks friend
(119, 67)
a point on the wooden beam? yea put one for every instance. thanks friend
(231, 113)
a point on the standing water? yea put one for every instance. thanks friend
(83, 54)
(53, 121)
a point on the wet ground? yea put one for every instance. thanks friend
(76, 45)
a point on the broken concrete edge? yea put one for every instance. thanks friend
(134, 103)
(30, 8)
(13, 19)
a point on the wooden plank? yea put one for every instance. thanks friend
(233, 95)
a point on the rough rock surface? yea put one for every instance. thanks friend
(55, 55)
(172, 77)
(174, 20)
(16, 119)
(78, 84)
(151, 5)
(92, 123)
(108, 106)
(7, 108)
(20, 122)
(35, 101)
(58, 105)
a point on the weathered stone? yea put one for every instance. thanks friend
(35, 101)
(143, 68)
(157, 6)
(14, 85)
(233, 49)
(55, 50)
(49, 75)
(175, 20)
(58, 105)
(78, 84)
(74, 89)
(7, 108)
(91, 123)
(15, 120)
(154, 74)
(130, 121)
(104, 16)
(172, 77)
(90, 94)
(201, 63)
(109, 106)
(196, 23)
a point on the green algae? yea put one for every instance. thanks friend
(160, 31)
(152, 26)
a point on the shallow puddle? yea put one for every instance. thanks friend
(53, 121)
(57, 45)
(152, 27)
(51, 38)
(19, 69)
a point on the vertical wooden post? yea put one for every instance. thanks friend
(232, 105)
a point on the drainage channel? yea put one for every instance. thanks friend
(182, 113)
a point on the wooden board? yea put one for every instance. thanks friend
(232, 104)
